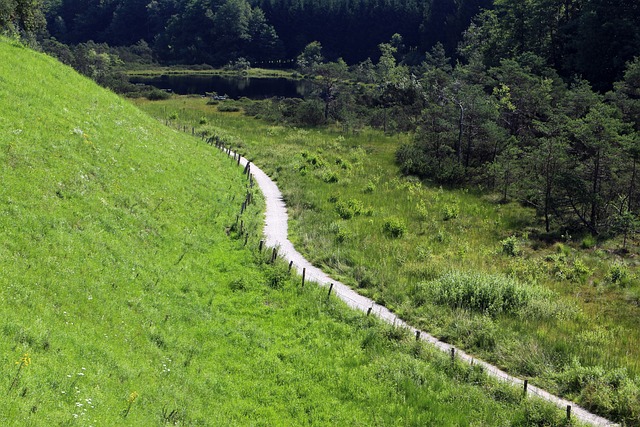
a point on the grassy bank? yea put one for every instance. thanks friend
(457, 263)
(128, 297)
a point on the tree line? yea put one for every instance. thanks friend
(515, 127)
(593, 39)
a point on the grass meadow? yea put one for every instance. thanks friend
(455, 262)
(128, 296)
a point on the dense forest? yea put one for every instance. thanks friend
(593, 39)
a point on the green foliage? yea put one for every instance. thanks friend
(277, 276)
(394, 227)
(349, 208)
(607, 392)
(588, 242)
(309, 113)
(228, 108)
(511, 246)
(330, 176)
(22, 17)
(619, 275)
(370, 187)
(450, 212)
(157, 95)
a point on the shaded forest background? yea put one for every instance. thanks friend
(592, 39)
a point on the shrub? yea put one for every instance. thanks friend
(348, 209)
(394, 227)
(422, 211)
(157, 95)
(330, 177)
(619, 275)
(511, 246)
(364, 277)
(588, 242)
(276, 275)
(610, 392)
(450, 212)
(309, 113)
(370, 187)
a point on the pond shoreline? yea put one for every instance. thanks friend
(232, 86)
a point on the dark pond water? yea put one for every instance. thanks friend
(234, 87)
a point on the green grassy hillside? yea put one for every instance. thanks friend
(126, 300)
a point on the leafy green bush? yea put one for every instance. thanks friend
(350, 208)
(619, 275)
(330, 177)
(309, 113)
(511, 246)
(157, 95)
(394, 227)
(238, 284)
(450, 212)
(370, 187)
(588, 242)
(277, 275)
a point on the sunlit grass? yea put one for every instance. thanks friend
(341, 190)
(128, 297)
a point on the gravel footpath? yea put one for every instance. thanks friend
(275, 230)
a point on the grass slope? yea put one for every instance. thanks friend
(126, 297)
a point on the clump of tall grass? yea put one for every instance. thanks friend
(490, 294)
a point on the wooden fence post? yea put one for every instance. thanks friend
(526, 383)
(290, 265)
(568, 412)
(330, 288)
(304, 272)
(417, 335)
(260, 245)
(369, 310)
(453, 354)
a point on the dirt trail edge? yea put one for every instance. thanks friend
(276, 233)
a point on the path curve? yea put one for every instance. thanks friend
(276, 234)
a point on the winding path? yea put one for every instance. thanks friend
(276, 229)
